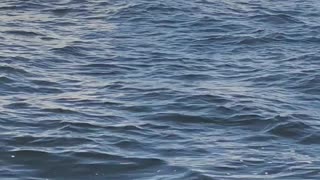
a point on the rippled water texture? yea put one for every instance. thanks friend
(167, 89)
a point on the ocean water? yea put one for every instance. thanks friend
(160, 90)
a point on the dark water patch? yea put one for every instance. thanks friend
(9, 7)
(206, 98)
(84, 125)
(53, 141)
(250, 121)
(290, 129)
(70, 50)
(4, 79)
(112, 67)
(59, 110)
(310, 139)
(192, 77)
(18, 105)
(277, 19)
(23, 33)
(310, 84)
(181, 118)
(44, 83)
(268, 38)
(13, 70)
(19, 88)
(61, 11)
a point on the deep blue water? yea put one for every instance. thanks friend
(160, 90)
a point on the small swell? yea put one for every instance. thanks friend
(276, 18)
(61, 11)
(291, 130)
(23, 33)
(181, 118)
(311, 139)
(13, 70)
(70, 50)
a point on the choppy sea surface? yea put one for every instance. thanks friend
(160, 90)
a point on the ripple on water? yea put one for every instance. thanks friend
(159, 90)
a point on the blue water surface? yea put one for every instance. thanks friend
(160, 90)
